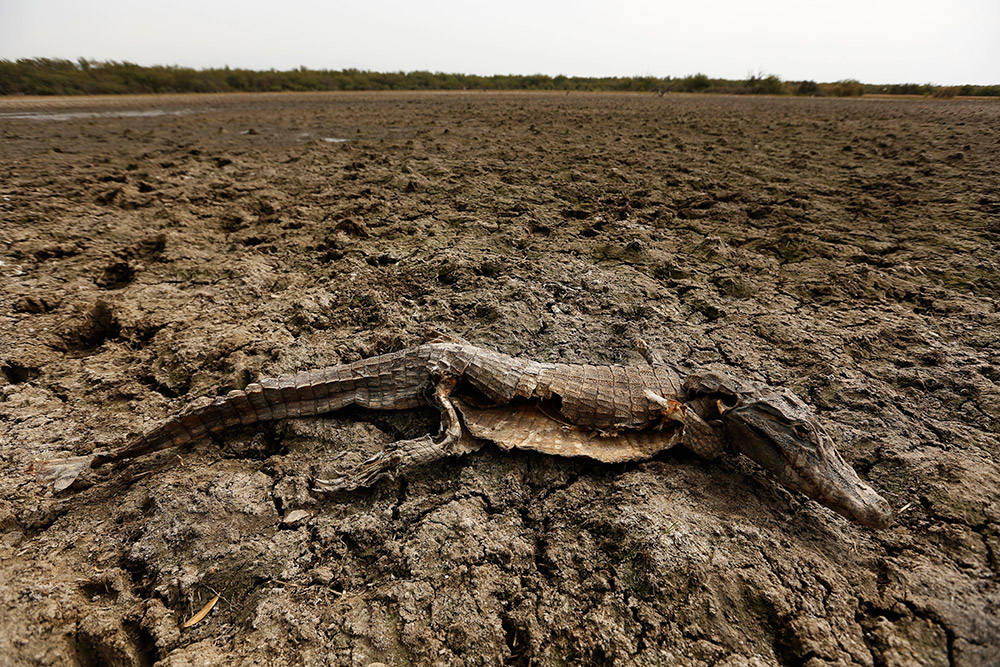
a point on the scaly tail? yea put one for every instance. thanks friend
(392, 381)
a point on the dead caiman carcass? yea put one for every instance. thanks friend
(609, 413)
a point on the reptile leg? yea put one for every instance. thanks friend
(652, 357)
(699, 436)
(432, 335)
(452, 441)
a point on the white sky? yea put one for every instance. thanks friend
(875, 41)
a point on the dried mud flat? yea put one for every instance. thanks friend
(155, 250)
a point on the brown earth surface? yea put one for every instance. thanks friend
(154, 250)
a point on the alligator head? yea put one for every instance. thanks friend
(778, 431)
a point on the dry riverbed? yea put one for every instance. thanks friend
(154, 250)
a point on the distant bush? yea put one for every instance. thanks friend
(807, 88)
(901, 89)
(845, 88)
(983, 91)
(51, 76)
(945, 92)
(694, 83)
(758, 84)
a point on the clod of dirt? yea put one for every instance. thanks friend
(32, 304)
(149, 248)
(353, 227)
(97, 325)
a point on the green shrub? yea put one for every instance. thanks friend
(758, 84)
(693, 83)
(846, 88)
(903, 89)
(807, 88)
(53, 76)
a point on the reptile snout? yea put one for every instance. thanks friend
(871, 509)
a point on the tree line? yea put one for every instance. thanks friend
(53, 76)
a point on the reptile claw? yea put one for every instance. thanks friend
(60, 473)
(328, 485)
(364, 475)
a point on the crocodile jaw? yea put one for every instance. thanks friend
(777, 430)
(836, 485)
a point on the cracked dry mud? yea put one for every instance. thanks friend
(155, 250)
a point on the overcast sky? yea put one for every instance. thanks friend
(875, 41)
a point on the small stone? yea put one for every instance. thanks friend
(322, 575)
(296, 517)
